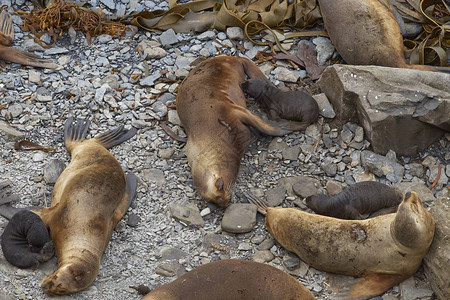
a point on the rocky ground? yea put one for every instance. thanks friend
(169, 229)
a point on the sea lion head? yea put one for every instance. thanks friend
(213, 187)
(253, 87)
(72, 277)
(413, 226)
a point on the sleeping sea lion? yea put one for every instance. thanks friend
(384, 250)
(232, 279)
(211, 107)
(12, 54)
(354, 201)
(89, 198)
(365, 32)
(290, 105)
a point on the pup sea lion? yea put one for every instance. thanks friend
(355, 200)
(365, 32)
(384, 250)
(290, 105)
(211, 107)
(90, 196)
(12, 54)
(232, 279)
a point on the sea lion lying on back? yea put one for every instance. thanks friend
(290, 105)
(211, 107)
(232, 279)
(365, 32)
(12, 54)
(384, 250)
(89, 198)
(355, 200)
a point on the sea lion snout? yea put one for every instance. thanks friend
(68, 279)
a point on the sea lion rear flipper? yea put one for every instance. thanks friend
(75, 133)
(26, 241)
(6, 28)
(16, 55)
(115, 137)
(373, 285)
(249, 119)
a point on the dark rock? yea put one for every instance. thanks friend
(52, 170)
(133, 220)
(239, 218)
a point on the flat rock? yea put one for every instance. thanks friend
(303, 186)
(52, 170)
(437, 260)
(239, 218)
(187, 214)
(263, 256)
(170, 269)
(400, 109)
(325, 107)
(419, 187)
(275, 196)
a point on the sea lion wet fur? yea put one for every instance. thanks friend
(232, 279)
(90, 196)
(384, 250)
(290, 105)
(211, 107)
(365, 32)
(355, 200)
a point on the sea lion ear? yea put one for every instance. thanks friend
(219, 184)
(26, 241)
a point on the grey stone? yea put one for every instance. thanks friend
(55, 50)
(325, 108)
(168, 37)
(277, 144)
(150, 80)
(133, 220)
(396, 112)
(239, 218)
(382, 166)
(166, 153)
(43, 95)
(284, 74)
(235, 33)
(187, 214)
(313, 131)
(52, 170)
(346, 134)
(324, 49)
(408, 291)
(275, 196)
(433, 175)
(263, 256)
(291, 263)
(419, 187)
(154, 175)
(172, 117)
(109, 3)
(170, 269)
(416, 169)
(207, 35)
(15, 110)
(170, 253)
(266, 244)
(330, 169)
(291, 153)
(8, 130)
(333, 187)
(34, 76)
(305, 186)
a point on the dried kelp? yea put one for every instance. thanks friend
(60, 15)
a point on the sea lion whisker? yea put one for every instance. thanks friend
(260, 203)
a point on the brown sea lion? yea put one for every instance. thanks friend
(384, 250)
(354, 201)
(12, 54)
(365, 32)
(90, 196)
(232, 279)
(211, 107)
(290, 105)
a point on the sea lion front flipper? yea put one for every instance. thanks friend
(26, 241)
(115, 137)
(373, 285)
(249, 119)
(128, 197)
(6, 28)
(13, 54)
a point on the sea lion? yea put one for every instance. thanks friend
(12, 54)
(365, 32)
(384, 250)
(211, 107)
(89, 198)
(232, 279)
(290, 105)
(354, 201)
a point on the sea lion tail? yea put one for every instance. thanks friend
(26, 241)
(75, 132)
(260, 203)
(115, 137)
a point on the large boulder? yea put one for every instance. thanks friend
(437, 260)
(400, 109)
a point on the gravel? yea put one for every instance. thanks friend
(110, 83)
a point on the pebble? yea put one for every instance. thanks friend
(325, 108)
(187, 214)
(52, 170)
(239, 218)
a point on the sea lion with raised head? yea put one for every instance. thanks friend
(384, 250)
(290, 105)
(211, 107)
(365, 32)
(12, 54)
(354, 201)
(232, 279)
(89, 198)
